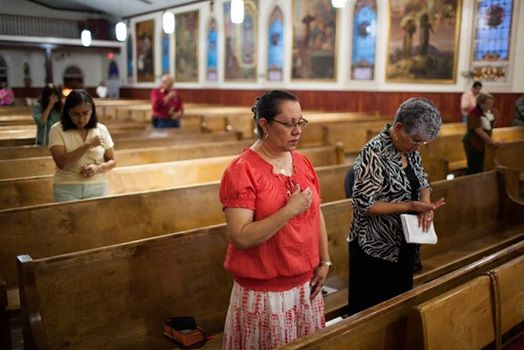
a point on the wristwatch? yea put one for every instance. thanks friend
(328, 263)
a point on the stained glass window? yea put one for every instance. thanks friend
(275, 59)
(212, 51)
(165, 53)
(493, 30)
(364, 39)
(129, 59)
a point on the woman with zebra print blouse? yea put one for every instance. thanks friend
(389, 181)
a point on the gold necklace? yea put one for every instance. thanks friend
(281, 168)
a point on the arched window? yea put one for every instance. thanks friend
(212, 51)
(73, 78)
(364, 39)
(491, 52)
(275, 59)
(3, 70)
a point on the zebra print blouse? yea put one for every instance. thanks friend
(379, 177)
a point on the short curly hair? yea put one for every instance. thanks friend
(419, 116)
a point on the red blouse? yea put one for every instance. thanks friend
(289, 258)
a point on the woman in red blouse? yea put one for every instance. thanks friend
(277, 249)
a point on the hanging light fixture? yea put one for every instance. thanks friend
(237, 11)
(85, 37)
(168, 22)
(339, 3)
(121, 31)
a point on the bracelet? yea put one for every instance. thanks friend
(328, 263)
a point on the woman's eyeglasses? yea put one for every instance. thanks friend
(76, 115)
(415, 143)
(300, 124)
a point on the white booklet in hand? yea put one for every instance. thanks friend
(414, 234)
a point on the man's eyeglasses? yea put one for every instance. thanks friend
(301, 123)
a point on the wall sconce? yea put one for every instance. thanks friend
(121, 31)
(168, 22)
(237, 11)
(338, 3)
(85, 37)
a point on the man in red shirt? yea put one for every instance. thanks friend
(167, 104)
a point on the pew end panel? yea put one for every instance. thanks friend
(511, 287)
(459, 319)
(32, 327)
(5, 332)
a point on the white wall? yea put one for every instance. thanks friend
(343, 82)
(15, 60)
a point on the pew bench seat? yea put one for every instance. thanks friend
(458, 165)
(468, 248)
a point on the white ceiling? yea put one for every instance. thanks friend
(115, 8)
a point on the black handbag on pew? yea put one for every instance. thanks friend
(185, 332)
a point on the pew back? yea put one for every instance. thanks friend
(36, 166)
(25, 151)
(117, 297)
(80, 225)
(39, 189)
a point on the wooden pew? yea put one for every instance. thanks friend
(151, 279)
(446, 154)
(352, 134)
(384, 326)
(478, 227)
(36, 166)
(130, 142)
(34, 190)
(314, 133)
(481, 311)
(507, 155)
(76, 226)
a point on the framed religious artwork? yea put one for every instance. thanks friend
(145, 51)
(212, 51)
(314, 40)
(186, 46)
(240, 54)
(423, 41)
(275, 51)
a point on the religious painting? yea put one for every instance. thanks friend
(212, 51)
(165, 53)
(240, 61)
(186, 46)
(364, 40)
(275, 59)
(423, 41)
(145, 51)
(314, 40)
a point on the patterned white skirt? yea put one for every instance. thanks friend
(262, 320)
